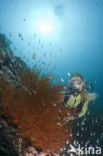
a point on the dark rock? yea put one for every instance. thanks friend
(10, 67)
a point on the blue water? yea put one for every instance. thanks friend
(74, 45)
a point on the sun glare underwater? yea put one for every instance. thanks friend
(51, 78)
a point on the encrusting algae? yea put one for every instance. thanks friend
(32, 102)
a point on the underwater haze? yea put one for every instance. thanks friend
(61, 37)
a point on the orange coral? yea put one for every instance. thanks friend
(34, 107)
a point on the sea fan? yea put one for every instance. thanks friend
(34, 106)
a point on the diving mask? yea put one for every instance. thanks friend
(77, 84)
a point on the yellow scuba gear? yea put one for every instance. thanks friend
(76, 102)
(77, 96)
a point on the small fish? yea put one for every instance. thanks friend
(56, 80)
(10, 35)
(24, 57)
(43, 104)
(88, 112)
(60, 110)
(77, 123)
(49, 77)
(95, 81)
(58, 123)
(54, 67)
(19, 35)
(34, 35)
(34, 91)
(26, 89)
(91, 134)
(8, 41)
(39, 41)
(77, 133)
(60, 50)
(68, 74)
(82, 129)
(34, 57)
(96, 120)
(71, 134)
(65, 88)
(21, 38)
(54, 104)
(1, 72)
(62, 79)
(89, 86)
(44, 63)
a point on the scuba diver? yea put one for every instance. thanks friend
(77, 96)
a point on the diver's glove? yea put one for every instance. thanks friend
(71, 118)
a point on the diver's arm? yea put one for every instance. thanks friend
(83, 111)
